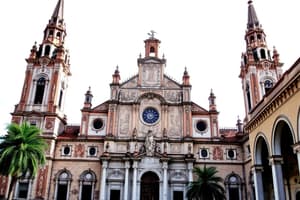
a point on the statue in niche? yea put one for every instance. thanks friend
(150, 144)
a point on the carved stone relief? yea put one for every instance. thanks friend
(79, 150)
(175, 148)
(175, 122)
(151, 75)
(172, 96)
(122, 147)
(128, 95)
(124, 119)
(218, 153)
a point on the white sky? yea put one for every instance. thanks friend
(205, 36)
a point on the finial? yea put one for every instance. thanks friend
(151, 34)
(163, 56)
(140, 55)
(185, 71)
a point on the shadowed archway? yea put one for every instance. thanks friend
(149, 186)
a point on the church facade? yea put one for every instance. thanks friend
(144, 141)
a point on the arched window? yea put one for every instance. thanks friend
(152, 51)
(87, 185)
(268, 84)
(248, 94)
(47, 50)
(51, 33)
(62, 188)
(58, 34)
(60, 98)
(233, 186)
(259, 36)
(23, 188)
(263, 54)
(40, 89)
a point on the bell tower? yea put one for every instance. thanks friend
(46, 79)
(259, 70)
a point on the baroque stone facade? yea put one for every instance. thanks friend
(144, 141)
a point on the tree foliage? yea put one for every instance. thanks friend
(208, 186)
(21, 152)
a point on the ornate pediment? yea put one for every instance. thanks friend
(130, 83)
(196, 109)
(101, 108)
(170, 83)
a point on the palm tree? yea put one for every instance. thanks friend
(21, 152)
(207, 186)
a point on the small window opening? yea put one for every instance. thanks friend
(248, 96)
(263, 54)
(259, 36)
(86, 192)
(40, 88)
(177, 195)
(58, 34)
(255, 55)
(60, 99)
(114, 194)
(251, 38)
(47, 50)
(51, 33)
(23, 189)
(268, 85)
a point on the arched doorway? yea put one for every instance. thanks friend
(283, 146)
(149, 186)
(264, 174)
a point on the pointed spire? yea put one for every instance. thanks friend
(88, 98)
(212, 101)
(252, 17)
(186, 77)
(116, 76)
(58, 13)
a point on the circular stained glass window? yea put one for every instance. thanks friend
(150, 115)
(97, 123)
(201, 125)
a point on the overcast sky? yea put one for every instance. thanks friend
(207, 37)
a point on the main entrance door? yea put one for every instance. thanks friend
(149, 186)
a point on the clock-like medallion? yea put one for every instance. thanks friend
(150, 115)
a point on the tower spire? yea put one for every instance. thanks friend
(58, 13)
(252, 17)
(259, 70)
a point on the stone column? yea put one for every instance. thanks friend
(278, 183)
(258, 185)
(127, 165)
(103, 180)
(190, 171)
(165, 180)
(80, 190)
(296, 148)
(134, 181)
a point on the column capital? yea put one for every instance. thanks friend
(104, 163)
(296, 147)
(275, 159)
(127, 164)
(165, 165)
(257, 168)
(135, 164)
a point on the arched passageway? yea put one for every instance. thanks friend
(149, 186)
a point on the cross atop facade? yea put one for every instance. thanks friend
(151, 34)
